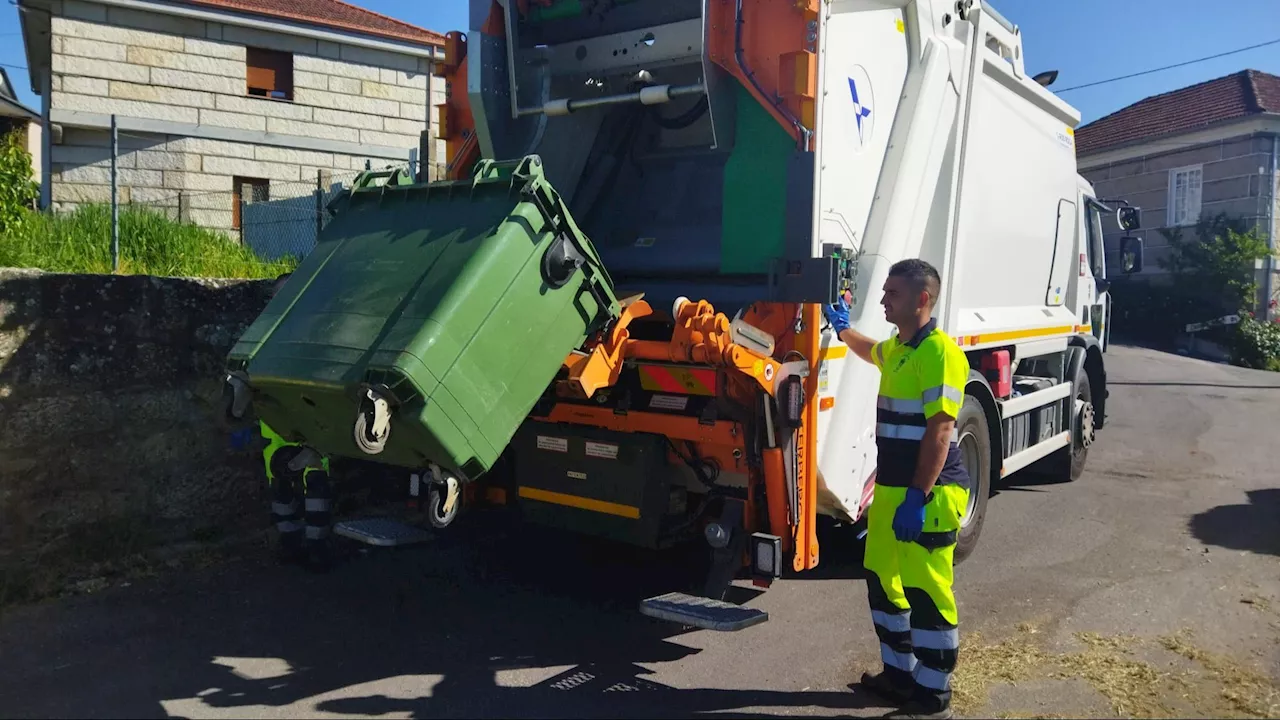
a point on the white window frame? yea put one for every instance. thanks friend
(1191, 214)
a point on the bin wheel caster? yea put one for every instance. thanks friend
(443, 501)
(235, 398)
(373, 424)
(365, 440)
(368, 443)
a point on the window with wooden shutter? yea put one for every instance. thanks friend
(269, 73)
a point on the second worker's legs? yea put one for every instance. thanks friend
(890, 611)
(927, 577)
(319, 516)
(286, 504)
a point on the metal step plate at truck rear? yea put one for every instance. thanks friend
(701, 612)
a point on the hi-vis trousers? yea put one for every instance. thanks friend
(909, 588)
(315, 489)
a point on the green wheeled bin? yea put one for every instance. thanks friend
(428, 320)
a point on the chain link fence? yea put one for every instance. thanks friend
(276, 220)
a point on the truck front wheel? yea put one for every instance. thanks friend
(975, 452)
(1067, 465)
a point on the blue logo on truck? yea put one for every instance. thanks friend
(862, 130)
(860, 112)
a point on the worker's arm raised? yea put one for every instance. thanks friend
(860, 344)
(838, 316)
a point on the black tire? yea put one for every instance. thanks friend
(1067, 464)
(975, 449)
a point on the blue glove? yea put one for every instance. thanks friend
(240, 438)
(908, 521)
(837, 315)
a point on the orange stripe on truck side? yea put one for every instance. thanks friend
(582, 503)
(835, 351)
(1006, 336)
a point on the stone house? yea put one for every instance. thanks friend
(1191, 153)
(220, 103)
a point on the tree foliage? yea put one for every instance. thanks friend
(17, 192)
(1211, 273)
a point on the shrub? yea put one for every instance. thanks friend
(1210, 274)
(1216, 267)
(150, 244)
(17, 192)
(1256, 344)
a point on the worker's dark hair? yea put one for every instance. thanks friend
(921, 275)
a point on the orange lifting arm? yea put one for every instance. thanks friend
(806, 531)
(774, 55)
(457, 124)
(701, 337)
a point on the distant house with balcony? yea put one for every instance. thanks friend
(223, 102)
(1196, 152)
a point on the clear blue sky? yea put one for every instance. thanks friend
(1086, 40)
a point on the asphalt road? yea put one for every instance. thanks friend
(1174, 526)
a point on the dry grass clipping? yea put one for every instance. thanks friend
(981, 666)
(1133, 687)
(1243, 690)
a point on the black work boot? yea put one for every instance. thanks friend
(319, 556)
(884, 686)
(289, 549)
(925, 710)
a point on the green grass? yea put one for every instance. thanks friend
(150, 244)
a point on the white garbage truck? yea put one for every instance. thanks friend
(736, 165)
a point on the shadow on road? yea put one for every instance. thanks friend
(1251, 527)
(560, 612)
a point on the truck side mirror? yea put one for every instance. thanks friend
(1131, 254)
(1130, 218)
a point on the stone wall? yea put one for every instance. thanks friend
(350, 105)
(187, 175)
(110, 444)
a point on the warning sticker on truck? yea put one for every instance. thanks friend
(604, 451)
(669, 402)
(555, 444)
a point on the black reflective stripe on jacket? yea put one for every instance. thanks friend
(897, 464)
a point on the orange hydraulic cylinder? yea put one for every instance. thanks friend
(775, 488)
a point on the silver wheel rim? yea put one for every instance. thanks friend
(1084, 420)
(969, 458)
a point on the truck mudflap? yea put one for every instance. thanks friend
(427, 322)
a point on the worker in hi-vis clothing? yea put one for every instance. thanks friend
(921, 492)
(295, 472)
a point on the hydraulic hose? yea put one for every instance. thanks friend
(805, 133)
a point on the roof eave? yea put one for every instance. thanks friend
(33, 18)
(19, 109)
(314, 30)
(1239, 119)
(332, 26)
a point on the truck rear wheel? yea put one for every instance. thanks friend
(975, 452)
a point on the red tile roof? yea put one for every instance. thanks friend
(1239, 95)
(331, 13)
